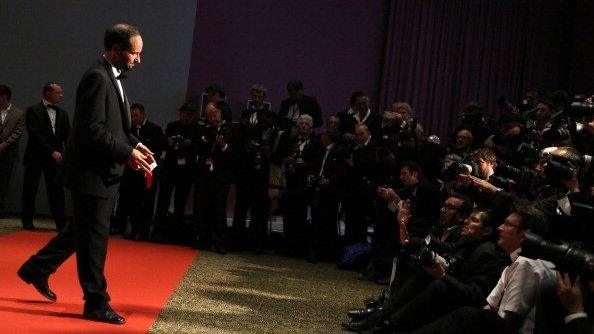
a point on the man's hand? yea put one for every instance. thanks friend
(57, 157)
(139, 161)
(435, 270)
(570, 294)
(324, 183)
(220, 140)
(148, 153)
(480, 184)
(388, 194)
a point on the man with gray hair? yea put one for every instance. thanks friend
(298, 153)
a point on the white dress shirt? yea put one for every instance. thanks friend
(51, 113)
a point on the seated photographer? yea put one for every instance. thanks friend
(510, 307)
(443, 282)
(424, 198)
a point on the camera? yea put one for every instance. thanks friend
(211, 133)
(455, 168)
(565, 257)
(176, 141)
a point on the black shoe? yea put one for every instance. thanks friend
(373, 319)
(221, 249)
(311, 257)
(40, 284)
(360, 314)
(258, 250)
(106, 314)
(28, 227)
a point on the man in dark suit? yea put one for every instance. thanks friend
(252, 173)
(299, 104)
(214, 174)
(48, 127)
(179, 165)
(326, 176)
(299, 153)
(12, 126)
(98, 148)
(137, 193)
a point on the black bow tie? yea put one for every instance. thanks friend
(122, 76)
(51, 106)
(302, 140)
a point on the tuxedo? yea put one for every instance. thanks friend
(305, 152)
(307, 105)
(11, 131)
(348, 122)
(329, 165)
(44, 139)
(137, 197)
(99, 145)
(252, 177)
(213, 178)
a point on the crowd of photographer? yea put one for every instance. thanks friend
(510, 250)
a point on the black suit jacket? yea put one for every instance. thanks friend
(307, 106)
(42, 140)
(100, 142)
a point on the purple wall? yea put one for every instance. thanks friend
(333, 47)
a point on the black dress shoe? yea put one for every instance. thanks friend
(359, 314)
(29, 227)
(106, 314)
(221, 249)
(40, 284)
(369, 322)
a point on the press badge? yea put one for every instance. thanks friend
(181, 161)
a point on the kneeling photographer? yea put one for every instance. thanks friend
(442, 282)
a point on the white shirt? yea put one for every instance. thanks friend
(518, 286)
(116, 73)
(51, 113)
(328, 148)
(294, 112)
(4, 113)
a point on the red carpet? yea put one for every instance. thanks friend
(140, 276)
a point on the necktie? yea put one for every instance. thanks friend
(121, 76)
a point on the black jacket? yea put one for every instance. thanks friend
(42, 140)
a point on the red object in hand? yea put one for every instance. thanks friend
(148, 180)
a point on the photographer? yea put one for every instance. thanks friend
(180, 160)
(323, 183)
(444, 282)
(213, 177)
(252, 172)
(510, 307)
(298, 154)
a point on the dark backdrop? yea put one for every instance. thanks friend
(335, 47)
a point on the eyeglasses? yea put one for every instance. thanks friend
(450, 207)
(513, 225)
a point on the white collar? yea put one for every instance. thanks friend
(515, 254)
(46, 102)
(116, 71)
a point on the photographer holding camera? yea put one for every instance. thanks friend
(180, 159)
(443, 282)
(213, 177)
(298, 154)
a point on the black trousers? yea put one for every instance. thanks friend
(55, 193)
(210, 198)
(253, 197)
(5, 173)
(324, 221)
(357, 211)
(295, 225)
(178, 178)
(464, 320)
(86, 235)
(136, 203)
